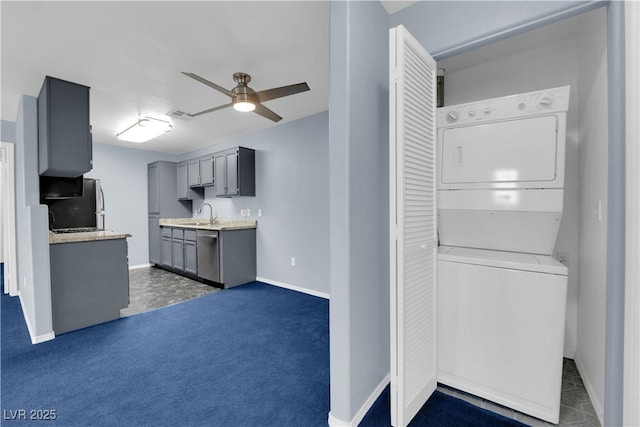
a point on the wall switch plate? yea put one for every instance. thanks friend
(563, 258)
(259, 212)
(243, 212)
(293, 261)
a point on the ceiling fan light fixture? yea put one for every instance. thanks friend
(244, 106)
(144, 130)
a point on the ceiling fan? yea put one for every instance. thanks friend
(245, 99)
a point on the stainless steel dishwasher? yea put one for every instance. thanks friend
(208, 255)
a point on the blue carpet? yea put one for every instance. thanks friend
(440, 410)
(255, 355)
(251, 356)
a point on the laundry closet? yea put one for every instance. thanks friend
(572, 54)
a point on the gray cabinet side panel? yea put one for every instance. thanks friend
(152, 188)
(89, 283)
(237, 257)
(247, 171)
(154, 239)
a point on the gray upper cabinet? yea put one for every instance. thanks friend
(64, 133)
(206, 171)
(235, 172)
(194, 173)
(183, 181)
(162, 190)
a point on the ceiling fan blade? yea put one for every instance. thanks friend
(210, 110)
(208, 83)
(267, 113)
(279, 92)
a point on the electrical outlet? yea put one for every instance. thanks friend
(259, 212)
(563, 258)
(293, 261)
(243, 212)
(248, 212)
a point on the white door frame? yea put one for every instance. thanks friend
(631, 409)
(8, 217)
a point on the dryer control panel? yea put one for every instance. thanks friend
(506, 107)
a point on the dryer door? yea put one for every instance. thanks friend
(500, 154)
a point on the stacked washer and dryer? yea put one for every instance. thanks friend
(501, 295)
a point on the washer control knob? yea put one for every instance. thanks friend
(545, 101)
(452, 116)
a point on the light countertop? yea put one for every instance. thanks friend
(85, 237)
(203, 224)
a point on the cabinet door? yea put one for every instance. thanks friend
(166, 252)
(153, 190)
(178, 254)
(190, 258)
(154, 239)
(231, 162)
(206, 171)
(183, 184)
(220, 173)
(64, 134)
(194, 173)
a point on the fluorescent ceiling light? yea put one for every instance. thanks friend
(144, 129)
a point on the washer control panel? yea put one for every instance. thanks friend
(524, 104)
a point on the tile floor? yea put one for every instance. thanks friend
(152, 288)
(575, 407)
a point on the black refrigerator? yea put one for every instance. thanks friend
(84, 210)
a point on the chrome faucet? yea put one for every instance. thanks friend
(211, 217)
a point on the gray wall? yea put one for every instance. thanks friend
(7, 131)
(123, 175)
(292, 189)
(359, 200)
(32, 233)
(446, 28)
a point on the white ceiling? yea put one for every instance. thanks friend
(131, 55)
(393, 6)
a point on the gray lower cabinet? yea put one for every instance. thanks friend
(190, 257)
(237, 256)
(89, 283)
(166, 252)
(178, 251)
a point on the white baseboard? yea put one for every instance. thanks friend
(597, 406)
(293, 287)
(135, 267)
(359, 416)
(35, 339)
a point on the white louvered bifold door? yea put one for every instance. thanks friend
(413, 225)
